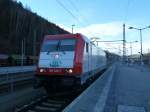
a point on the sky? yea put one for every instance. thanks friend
(102, 19)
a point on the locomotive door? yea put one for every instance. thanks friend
(88, 56)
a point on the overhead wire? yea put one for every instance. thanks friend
(85, 20)
(62, 5)
(76, 9)
(127, 11)
(77, 19)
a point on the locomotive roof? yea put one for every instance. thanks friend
(67, 36)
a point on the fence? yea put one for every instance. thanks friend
(14, 77)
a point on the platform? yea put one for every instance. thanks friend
(16, 69)
(123, 88)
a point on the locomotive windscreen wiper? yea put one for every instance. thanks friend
(48, 52)
(58, 46)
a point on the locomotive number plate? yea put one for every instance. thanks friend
(54, 70)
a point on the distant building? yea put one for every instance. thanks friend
(136, 58)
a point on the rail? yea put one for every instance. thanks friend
(53, 103)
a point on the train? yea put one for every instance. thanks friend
(68, 60)
(15, 60)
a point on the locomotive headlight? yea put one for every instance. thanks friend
(41, 70)
(56, 56)
(70, 71)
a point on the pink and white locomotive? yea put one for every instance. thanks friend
(68, 60)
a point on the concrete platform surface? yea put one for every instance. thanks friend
(93, 99)
(130, 90)
(126, 88)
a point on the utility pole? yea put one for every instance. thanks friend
(97, 43)
(72, 28)
(34, 47)
(141, 46)
(24, 46)
(131, 49)
(124, 44)
(148, 56)
(22, 51)
(119, 52)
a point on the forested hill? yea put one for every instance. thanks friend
(18, 23)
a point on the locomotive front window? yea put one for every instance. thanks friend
(59, 45)
(50, 46)
(67, 45)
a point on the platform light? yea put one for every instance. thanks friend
(140, 30)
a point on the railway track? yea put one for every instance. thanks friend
(52, 103)
(55, 102)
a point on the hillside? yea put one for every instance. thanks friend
(17, 24)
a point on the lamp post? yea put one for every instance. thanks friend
(140, 29)
(72, 28)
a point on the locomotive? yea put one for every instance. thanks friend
(67, 60)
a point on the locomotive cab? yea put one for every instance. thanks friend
(60, 61)
(68, 60)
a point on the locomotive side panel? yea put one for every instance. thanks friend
(86, 57)
(98, 59)
(93, 60)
